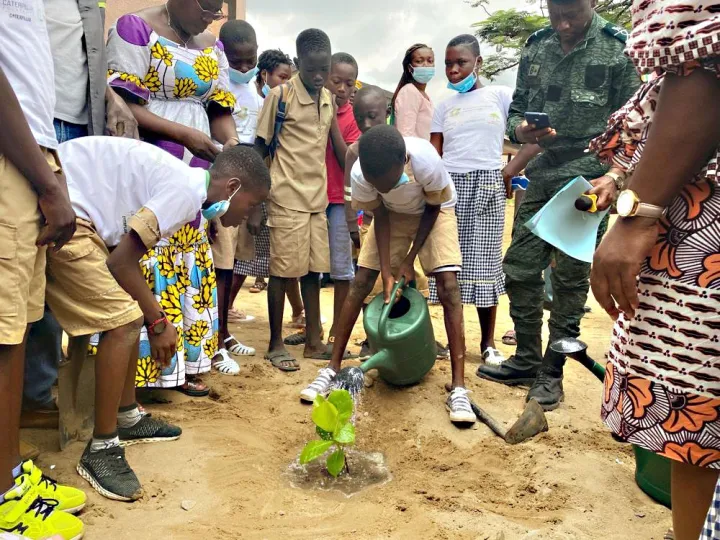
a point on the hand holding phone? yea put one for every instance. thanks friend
(535, 129)
(538, 119)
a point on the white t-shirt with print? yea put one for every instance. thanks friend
(111, 178)
(430, 176)
(247, 107)
(473, 127)
(27, 62)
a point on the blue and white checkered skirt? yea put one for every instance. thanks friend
(480, 214)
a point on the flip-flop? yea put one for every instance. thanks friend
(192, 389)
(298, 323)
(297, 338)
(226, 366)
(237, 316)
(238, 349)
(258, 287)
(509, 338)
(443, 353)
(281, 359)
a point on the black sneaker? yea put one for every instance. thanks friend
(109, 473)
(147, 430)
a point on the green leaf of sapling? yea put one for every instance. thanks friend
(336, 462)
(313, 450)
(345, 434)
(343, 403)
(325, 416)
(324, 435)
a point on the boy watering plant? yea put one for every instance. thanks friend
(127, 195)
(297, 143)
(412, 218)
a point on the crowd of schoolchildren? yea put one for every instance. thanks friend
(215, 164)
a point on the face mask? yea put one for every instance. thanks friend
(219, 209)
(467, 84)
(404, 179)
(423, 75)
(239, 77)
(266, 89)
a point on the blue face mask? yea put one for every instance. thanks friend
(423, 75)
(239, 77)
(220, 208)
(404, 179)
(266, 89)
(467, 84)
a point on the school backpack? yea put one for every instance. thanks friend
(279, 121)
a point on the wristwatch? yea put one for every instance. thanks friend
(629, 205)
(158, 326)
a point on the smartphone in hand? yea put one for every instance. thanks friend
(538, 119)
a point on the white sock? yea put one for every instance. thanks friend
(17, 471)
(104, 444)
(127, 419)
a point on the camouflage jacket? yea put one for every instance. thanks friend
(578, 91)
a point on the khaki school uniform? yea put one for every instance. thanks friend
(298, 198)
(116, 186)
(429, 184)
(22, 262)
(81, 292)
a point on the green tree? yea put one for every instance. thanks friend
(509, 29)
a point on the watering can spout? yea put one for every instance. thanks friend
(577, 350)
(377, 360)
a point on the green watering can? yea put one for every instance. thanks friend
(402, 333)
(652, 472)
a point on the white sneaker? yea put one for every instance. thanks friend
(320, 386)
(458, 404)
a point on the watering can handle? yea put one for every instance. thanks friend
(385, 314)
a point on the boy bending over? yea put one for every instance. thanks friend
(127, 195)
(413, 218)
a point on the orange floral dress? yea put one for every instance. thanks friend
(662, 385)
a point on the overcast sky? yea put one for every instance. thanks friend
(376, 32)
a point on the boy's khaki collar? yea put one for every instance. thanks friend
(304, 97)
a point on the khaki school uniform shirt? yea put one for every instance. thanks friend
(299, 176)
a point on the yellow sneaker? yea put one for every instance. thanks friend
(69, 499)
(23, 512)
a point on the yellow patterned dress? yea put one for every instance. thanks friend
(175, 83)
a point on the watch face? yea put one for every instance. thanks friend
(159, 328)
(625, 204)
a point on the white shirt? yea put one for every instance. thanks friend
(111, 178)
(429, 180)
(247, 107)
(26, 60)
(473, 128)
(66, 33)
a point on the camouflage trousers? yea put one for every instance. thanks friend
(525, 261)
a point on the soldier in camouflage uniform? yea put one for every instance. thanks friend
(576, 72)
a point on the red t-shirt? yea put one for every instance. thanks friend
(335, 174)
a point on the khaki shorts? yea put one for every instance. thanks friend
(22, 263)
(245, 246)
(223, 248)
(81, 292)
(441, 249)
(299, 242)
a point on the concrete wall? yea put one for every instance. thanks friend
(118, 8)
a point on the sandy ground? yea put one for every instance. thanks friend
(574, 482)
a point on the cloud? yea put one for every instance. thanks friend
(375, 32)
